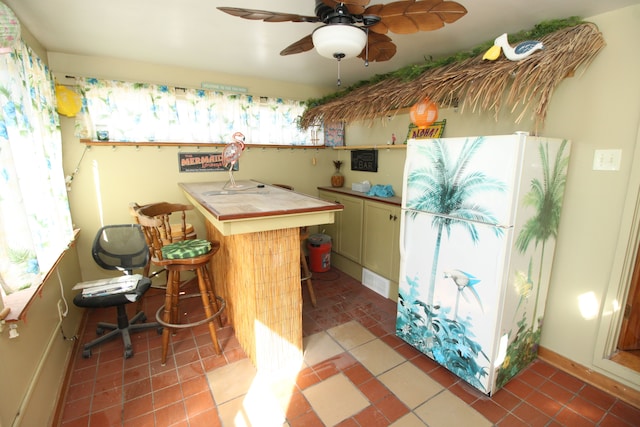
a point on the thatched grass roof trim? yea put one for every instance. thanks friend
(470, 83)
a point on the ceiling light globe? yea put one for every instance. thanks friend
(335, 40)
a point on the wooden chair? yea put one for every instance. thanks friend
(176, 253)
(306, 273)
(179, 230)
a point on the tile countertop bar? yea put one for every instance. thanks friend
(257, 269)
(252, 206)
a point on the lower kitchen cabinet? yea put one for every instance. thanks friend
(367, 234)
(346, 231)
(381, 234)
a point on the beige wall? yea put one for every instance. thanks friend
(34, 364)
(109, 68)
(597, 110)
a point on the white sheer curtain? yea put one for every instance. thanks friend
(144, 112)
(35, 221)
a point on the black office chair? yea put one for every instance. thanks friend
(118, 247)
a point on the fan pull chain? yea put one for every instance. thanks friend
(339, 56)
(366, 49)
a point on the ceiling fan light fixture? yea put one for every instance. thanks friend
(339, 41)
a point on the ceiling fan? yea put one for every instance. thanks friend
(352, 29)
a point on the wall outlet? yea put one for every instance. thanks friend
(607, 160)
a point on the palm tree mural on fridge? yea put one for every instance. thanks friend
(472, 207)
(545, 196)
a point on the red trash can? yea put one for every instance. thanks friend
(319, 247)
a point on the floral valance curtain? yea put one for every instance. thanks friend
(144, 112)
(35, 221)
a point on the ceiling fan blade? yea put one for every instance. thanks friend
(380, 27)
(407, 17)
(449, 11)
(355, 7)
(267, 16)
(380, 48)
(302, 45)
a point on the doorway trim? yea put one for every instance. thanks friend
(612, 307)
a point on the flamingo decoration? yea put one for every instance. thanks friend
(231, 154)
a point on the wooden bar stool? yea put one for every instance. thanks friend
(178, 254)
(181, 230)
(306, 273)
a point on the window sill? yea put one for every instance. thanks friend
(94, 143)
(371, 147)
(19, 302)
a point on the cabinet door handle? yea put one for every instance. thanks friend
(390, 217)
(395, 217)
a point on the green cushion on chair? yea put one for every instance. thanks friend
(186, 249)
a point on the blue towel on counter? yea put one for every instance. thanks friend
(381, 191)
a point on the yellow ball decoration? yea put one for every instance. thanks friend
(69, 103)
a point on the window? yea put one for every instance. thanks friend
(35, 221)
(144, 112)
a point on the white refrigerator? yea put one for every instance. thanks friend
(480, 216)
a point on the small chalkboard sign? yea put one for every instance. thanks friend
(364, 160)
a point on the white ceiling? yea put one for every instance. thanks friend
(194, 34)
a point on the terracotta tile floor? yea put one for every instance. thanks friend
(356, 373)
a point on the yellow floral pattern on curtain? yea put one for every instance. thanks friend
(35, 221)
(145, 112)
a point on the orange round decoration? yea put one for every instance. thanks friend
(424, 113)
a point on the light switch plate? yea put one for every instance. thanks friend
(607, 160)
